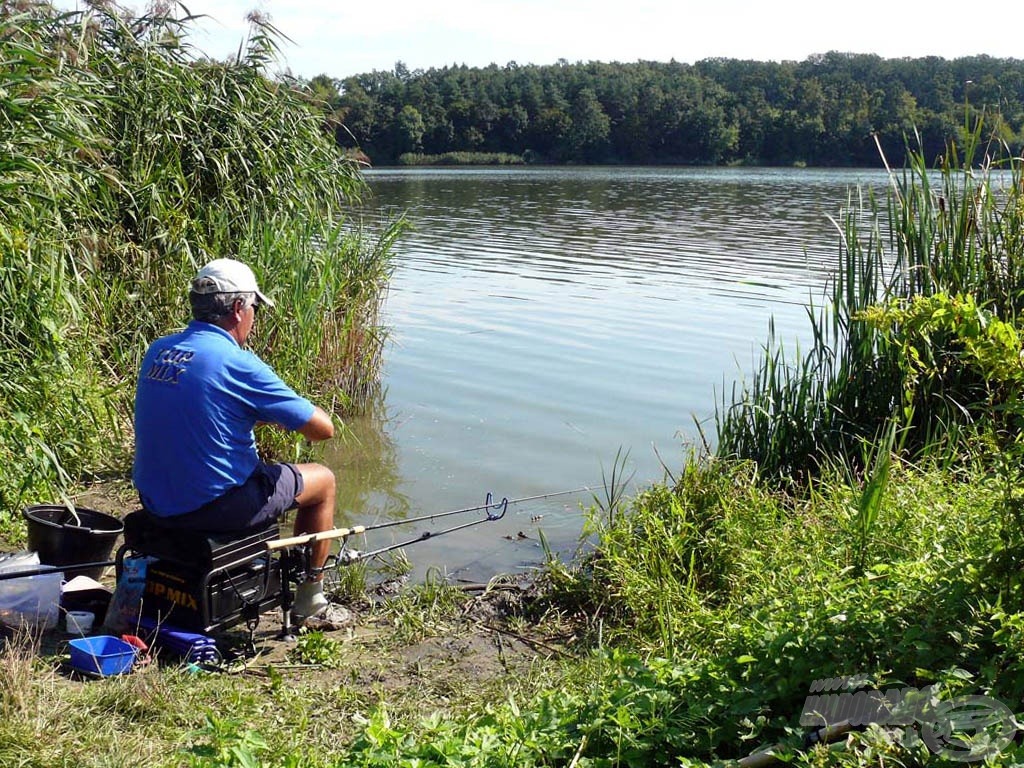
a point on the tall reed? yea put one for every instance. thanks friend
(129, 161)
(955, 230)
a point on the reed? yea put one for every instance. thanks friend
(128, 162)
(952, 230)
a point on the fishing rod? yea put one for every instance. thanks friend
(480, 507)
(494, 511)
(41, 570)
(347, 556)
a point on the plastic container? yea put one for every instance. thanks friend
(65, 536)
(102, 655)
(29, 600)
(79, 622)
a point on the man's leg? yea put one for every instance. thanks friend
(316, 507)
(316, 514)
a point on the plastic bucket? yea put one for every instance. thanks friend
(64, 537)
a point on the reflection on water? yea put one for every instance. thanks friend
(542, 320)
(367, 458)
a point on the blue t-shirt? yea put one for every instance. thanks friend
(199, 395)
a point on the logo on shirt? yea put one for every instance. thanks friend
(169, 365)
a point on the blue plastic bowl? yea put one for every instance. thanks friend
(102, 655)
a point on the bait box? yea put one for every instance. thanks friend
(102, 655)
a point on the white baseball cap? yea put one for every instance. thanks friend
(228, 276)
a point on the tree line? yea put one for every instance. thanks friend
(832, 109)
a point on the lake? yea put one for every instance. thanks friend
(544, 321)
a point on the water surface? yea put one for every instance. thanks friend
(544, 321)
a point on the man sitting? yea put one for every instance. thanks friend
(199, 395)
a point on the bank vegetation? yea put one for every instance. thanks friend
(127, 161)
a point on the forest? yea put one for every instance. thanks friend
(835, 109)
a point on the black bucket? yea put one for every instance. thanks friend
(60, 539)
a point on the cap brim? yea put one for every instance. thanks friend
(264, 300)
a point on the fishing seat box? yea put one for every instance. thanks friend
(199, 581)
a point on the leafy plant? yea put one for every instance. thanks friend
(127, 163)
(223, 743)
(952, 232)
(315, 647)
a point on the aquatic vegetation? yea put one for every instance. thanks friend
(952, 231)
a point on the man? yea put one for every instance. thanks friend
(199, 395)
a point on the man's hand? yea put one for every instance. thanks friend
(319, 426)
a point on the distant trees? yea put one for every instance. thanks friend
(827, 110)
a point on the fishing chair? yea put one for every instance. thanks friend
(205, 582)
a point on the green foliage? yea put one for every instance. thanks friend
(314, 647)
(941, 337)
(630, 717)
(797, 596)
(820, 112)
(424, 609)
(869, 502)
(223, 744)
(347, 584)
(707, 649)
(919, 329)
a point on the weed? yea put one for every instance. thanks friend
(223, 744)
(394, 564)
(347, 584)
(18, 674)
(128, 163)
(952, 232)
(314, 647)
(423, 609)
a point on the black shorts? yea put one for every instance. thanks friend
(270, 491)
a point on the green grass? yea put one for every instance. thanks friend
(720, 602)
(714, 602)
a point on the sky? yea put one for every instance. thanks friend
(339, 39)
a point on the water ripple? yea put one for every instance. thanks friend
(544, 318)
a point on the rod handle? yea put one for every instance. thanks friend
(309, 538)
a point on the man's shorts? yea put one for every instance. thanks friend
(269, 492)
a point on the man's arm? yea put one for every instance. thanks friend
(319, 426)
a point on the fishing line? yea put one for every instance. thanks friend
(487, 505)
(351, 555)
(550, 495)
